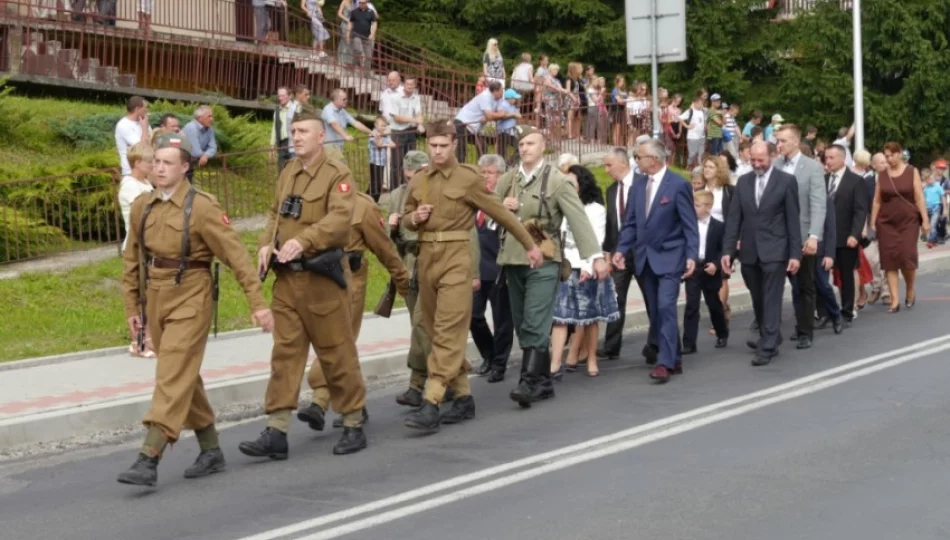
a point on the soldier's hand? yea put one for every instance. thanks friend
(511, 203)
(135, 322)
(476, 284)
(265, 319)
(618, 261)
(422, 213)
(535, 258)
(290, 251)
(602, 269)
(262, 259)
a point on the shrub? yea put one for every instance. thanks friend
(22, 236)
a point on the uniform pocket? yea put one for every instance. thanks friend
(182, 314)
(313, 208)
(455, 202)
(330, 327)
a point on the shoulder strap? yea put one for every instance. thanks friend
(145, 212)
(185, 235)
(543, 203)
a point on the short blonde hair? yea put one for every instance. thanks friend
(138, 152)
(704, 197)
(862, 158)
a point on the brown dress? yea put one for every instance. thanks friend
(898, 221)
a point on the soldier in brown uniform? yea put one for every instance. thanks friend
(441, 206)
(176, 233)
(366, 230)
(311, 215)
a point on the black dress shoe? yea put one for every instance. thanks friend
(650, 354)
(144, 472)
(689, 350)
(804, 342)
(338, 421)
(721, 342)
(754, 345)
(410, 398)
(426, 419)
(208, 462)
(838, 325)
(496, 376)
(483, 369)
(604, 355)
(313, 416)
(352, 441)
(761, 360)
(848, 322)
(272, 443)
(823, 322)
(462, 409)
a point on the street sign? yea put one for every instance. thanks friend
(670, 30)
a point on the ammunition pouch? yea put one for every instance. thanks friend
(356, 260)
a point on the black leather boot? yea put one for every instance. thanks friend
(425, 419)
(462, 409)
(532, 386)
(144, 472)
(410, 398)
(546, 386)
(208, 462)
(313, 416)
(352, 441)
(338, 421)
(272, 443)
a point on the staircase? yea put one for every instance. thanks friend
(43, 58)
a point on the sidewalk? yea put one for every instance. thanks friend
(56, 398)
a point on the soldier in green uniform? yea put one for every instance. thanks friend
(533, 290)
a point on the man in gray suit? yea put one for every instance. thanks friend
(763, 216)
(813, 202)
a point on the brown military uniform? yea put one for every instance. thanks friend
(310, 309)
(456, 191)
(179, 316)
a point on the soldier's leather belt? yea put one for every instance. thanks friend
(444, 236)
(173, 264)
(290, 266)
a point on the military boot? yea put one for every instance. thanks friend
(313, 416)
(462, 409)
(144, 472)
(546, 386)
(352, 441)
(208, 462)
(410, 398)
(532, 386)
(338, 421)
(425, 419)
(272, 443)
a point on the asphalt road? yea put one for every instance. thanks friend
(857, 453)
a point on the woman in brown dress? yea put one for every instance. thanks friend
(900, 217)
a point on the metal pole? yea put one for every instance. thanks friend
(654, 61)
(858, 77)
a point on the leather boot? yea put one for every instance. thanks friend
(313, 416)
(532, 386)
(425, 419)
(338, 421)
(462, 409)
(144, 472)
(410, 398)
(353, 440)
(272, 443)
(208, 462)
(546, 386)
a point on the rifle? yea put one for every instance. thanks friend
(143, 278)
(215, 283)
(384, 308)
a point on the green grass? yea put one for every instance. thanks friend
(53, 313)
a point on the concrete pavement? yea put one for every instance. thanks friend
(846, 440)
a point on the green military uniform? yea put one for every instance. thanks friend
(533, 291)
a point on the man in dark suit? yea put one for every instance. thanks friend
(848, 191)
(764, 216)
(660, 227)
(707, 280)
(493, 348)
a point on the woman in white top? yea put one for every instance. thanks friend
(716, 174)
(582, 304)
(132, 186)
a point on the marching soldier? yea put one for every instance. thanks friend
(167, 286)
(406, 242)
(440, 205)
(539, 192)
(367, 229)
(307, 227)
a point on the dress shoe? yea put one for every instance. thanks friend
(496, 376)
(462, 409)
(410, 398)
(839, 325)
(604, 355)
(272, 443)
(352, 441)
(144, 472)
(650, 353)
(677, 369)
(722, 342)
(875, 296)
(762, 359)
(848, 322)
(426, 419)
(208, 462)
(313, 416)
(483, 369)
(823, 322)
(689, 350)
(754, 345)
(804, 342)
(660, 374)
(909, 303)
(338, 421)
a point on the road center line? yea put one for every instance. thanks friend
(642, 434)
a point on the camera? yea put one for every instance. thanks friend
(291, 207)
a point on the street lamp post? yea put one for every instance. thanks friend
(858, 77)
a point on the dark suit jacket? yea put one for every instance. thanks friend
(770, 232)
(714, 242)
(488, 242)
(612, 233)
(827, 246)
(851, 210)
(727, 192)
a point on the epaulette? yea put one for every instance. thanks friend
(207, 195)
(471, 168)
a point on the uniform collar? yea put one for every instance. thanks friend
(311, 171)
(445, 170)
(178, 197)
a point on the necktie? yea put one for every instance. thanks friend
(650, 185)
(759, 188)
(622, 203)
(480, 218)
(832, 187)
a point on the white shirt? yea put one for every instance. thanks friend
(521, 77)
(128, 133)
(623, 187)
(742, 168)
(529, 176)
(703, 230)
(836, 180)
(657, 178)
(129, 190)
(790, 164)
(718, 194)
(597, 215)
(384, 99)
(402, 105)
(697, 125)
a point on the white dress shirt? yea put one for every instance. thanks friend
(657, 178)
(624, 187)
(703, 230)
(789, 164)
(836, 180)
(718, 195)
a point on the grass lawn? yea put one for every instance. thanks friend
(53, 313)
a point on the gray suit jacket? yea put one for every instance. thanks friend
(812, 196)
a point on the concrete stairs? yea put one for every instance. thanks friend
(49, 59)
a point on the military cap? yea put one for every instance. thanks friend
(306, 112)
(442, 127)
(172, 140)
(415, 160)
(524, 130)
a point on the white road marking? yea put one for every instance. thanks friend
(598, 447)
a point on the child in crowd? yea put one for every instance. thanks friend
(707, 279)
(933, 196)
(379, 145)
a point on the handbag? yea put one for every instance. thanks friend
(920, 219)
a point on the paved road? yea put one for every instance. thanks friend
(858, 453)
